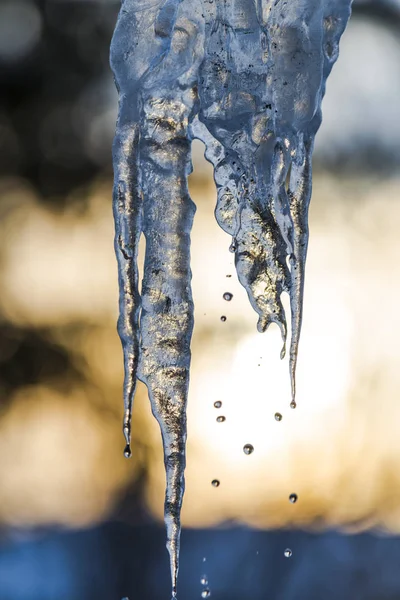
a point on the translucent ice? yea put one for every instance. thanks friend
(247, 77)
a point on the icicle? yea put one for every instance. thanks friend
(154, 61)
(261, 87)
(247, 77)
(126, 207)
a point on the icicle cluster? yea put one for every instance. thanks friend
(247, 77)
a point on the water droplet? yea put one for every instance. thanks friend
(204, 580)
(248, 449)
(206, 593)
(221, 419)
(204, 559)
(278, 416)
(223, 318)
(293, 498)
(214, 483)
(288, 553)
(229, 275)
(233, 246)
(127, 451)
(227, 296)
(293, 404)
(218, 404)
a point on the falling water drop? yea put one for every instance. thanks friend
(223, 318)
(229, 275)
(217, 404)
(227, 296)
(221, 419)
(206, 593)
(248, 449)
(293, 498)
(288, 553)
(278, 416)
(127, 451)
(204, 580)
(214, 483)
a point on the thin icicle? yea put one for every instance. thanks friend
(127, 215)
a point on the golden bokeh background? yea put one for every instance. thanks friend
(60, 438)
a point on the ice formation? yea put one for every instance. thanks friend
(246, 77)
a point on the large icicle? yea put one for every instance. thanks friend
(155, 59)
(247, 77)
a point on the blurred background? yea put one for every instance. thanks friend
(80, 522)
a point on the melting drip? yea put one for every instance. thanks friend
(248, 449)
(247, 78)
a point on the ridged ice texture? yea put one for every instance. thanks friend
(247, 77)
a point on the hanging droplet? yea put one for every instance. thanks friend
(206, 593)
(214, 483)
(217, 404)
(127, 451)
(204, 580)
(288, 553)
(221, 419)
(293, 404)
(233, 246)
(223, 318)
(248, 449)
(278, 416)
(293, 498)
(227, 296)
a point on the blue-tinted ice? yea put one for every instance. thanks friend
(247, 77)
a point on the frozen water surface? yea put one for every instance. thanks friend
(246, 77)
